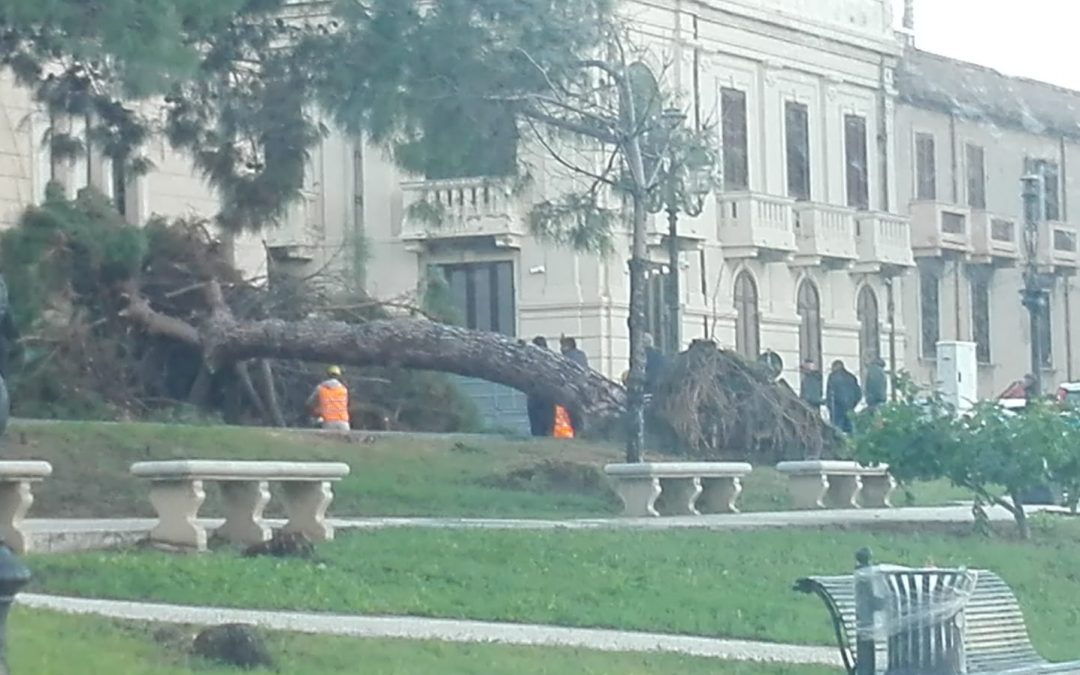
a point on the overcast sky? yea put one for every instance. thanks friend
(1039, 39)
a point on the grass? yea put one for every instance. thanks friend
(393, 475)
(730, 584)
(44, 643)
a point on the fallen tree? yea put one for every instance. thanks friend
(414, 343)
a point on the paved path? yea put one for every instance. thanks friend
(416, 628)
(70, 534)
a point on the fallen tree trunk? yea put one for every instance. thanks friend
(407, 343)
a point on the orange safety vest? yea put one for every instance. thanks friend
(333, 402)
(563, 427)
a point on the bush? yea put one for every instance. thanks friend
(1000, 456)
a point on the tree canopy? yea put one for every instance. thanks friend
(246, 85)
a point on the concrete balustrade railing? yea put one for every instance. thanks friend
(678, 488)
(823, 484)
(176, 492)
(16, 497)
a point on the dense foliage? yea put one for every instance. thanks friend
(1001, 456)
(70, 265)
(245, 86)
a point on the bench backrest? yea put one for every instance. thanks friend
(994, 634)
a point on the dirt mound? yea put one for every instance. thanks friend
(553, 475)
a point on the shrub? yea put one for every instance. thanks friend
(1000, 456)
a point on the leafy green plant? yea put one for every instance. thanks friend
(999, 455)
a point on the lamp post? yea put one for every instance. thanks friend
(1033, 296)
(687, 180)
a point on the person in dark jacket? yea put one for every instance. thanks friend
(655, 364)
(568, 347)
(810, 385)
(541, 411)
(842, 394)
(877, 384)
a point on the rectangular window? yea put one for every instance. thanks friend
(119, 186)
(797, 134)
(483, 295)
(736, 150)
(1046, 336)
(980, 318)
(925, 168)
(656, 308)
(358, 186)
(975, 158)
(929, 313)
(1051, 196)
(856, 162)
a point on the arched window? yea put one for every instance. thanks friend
(869, 326)
(809, 307)
(747, 321)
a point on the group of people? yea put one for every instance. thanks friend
(548, 418)
(842, 390)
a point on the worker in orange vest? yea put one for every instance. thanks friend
(330, 401)
(564, 428)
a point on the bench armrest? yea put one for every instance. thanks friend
(812, 587)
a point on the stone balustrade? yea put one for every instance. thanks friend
(176, 492)
(821, 484)
(678, 488)
(16, 497)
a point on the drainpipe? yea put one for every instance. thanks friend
(883, 134)
(1063, 163)
(953, 161)
(956, 296)
(1068, 332)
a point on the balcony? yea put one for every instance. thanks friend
(752, 225)
(938, 228)
(825, 234)
(1057, 246)
(995, 239)
(462, 208)
(883, 241)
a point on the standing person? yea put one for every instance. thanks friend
(810, 385)
(842, 394)
(655, 364)
(568, 347)
(541, 411)
(330, 401)
(877, 384)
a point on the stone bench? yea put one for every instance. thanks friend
(16, 497)
(683, 488)
(176, 492)
(822, 484)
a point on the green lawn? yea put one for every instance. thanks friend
(44, 643)
(730, 584)
(401, 475)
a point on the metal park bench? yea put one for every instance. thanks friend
(901, 621)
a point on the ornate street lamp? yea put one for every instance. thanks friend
(687, 174)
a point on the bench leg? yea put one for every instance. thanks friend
(15, 501)
(808, 492)
(720, 494)
(306, 503)
(638, 496)
(177, 505)
(877, 491)
(844, 492)
(244, 504)
(679, 496)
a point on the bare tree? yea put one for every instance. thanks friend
(614, 105)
